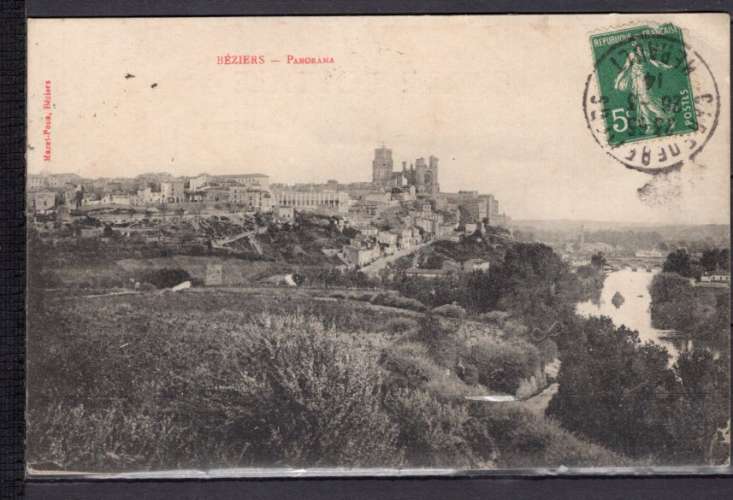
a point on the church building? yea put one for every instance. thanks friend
(423, 176)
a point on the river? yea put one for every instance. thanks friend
(634, 312)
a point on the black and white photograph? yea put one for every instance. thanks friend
(378, 245)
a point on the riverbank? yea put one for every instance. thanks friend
(635, 310)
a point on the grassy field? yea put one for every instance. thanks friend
(123, 273)
(275, 377)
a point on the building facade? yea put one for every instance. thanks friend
(36, 182)
(358, 256)
(260, 181)
(331, 201)
(382, 166)
(40, 201)
(255, 181)
(149, 196)
(423, 175)
(258, 200)
(117, 199)
(173, 191)
(426, 175)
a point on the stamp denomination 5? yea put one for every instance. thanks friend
(652, 101)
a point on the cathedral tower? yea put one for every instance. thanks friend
(382, 167)
(426, 175)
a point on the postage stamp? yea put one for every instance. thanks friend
(644, 83)
(651, 101)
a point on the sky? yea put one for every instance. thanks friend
(497, 98)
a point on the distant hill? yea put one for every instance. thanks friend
(670, 232)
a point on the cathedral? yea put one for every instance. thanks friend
(423, 176)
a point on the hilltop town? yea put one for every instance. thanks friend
(426, 295)
(376, 222)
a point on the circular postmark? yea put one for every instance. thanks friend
(652, 101)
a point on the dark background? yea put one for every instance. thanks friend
(101, 8)
(12, 265)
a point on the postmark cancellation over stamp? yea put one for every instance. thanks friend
(643, 78)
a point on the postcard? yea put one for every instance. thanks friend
(391, 245)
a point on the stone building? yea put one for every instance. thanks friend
(474, 207)
(259, 200)
(382, 167)
(322, 200)
(423, 175)
(40, 201)
(260, 181)
(257, 181)
(36, 182)
(173, 191)
(358, 256)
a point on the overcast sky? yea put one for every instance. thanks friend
(497, 99)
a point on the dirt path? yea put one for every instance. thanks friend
(225, 241)
(537, 404)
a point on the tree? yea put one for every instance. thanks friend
(608, 386)
(108, 232)
(724, 259)
(598, 260)
(678, 262)
(622, 394)
(706, 384)
(709, 259)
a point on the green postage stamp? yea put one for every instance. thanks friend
(644, 83)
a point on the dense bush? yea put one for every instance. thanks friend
(494, 317)
(147, 287)
(440, 340)
(434, 433)
(401, 325)
(166, 277)
(468, 373)
(502, 365)
(102, 438)
(548, 350)
(450, 310)
(109, 282)
(448, 387)
(272, 391)
(309, 401)
(515, 329)
(221, 379)
(528, 440)
(391, 300)
(408, 365)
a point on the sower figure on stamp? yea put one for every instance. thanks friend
(634, 77)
